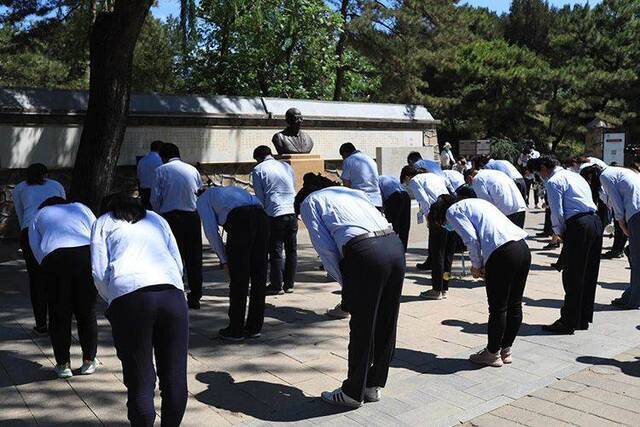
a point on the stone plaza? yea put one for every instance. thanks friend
(590, 378)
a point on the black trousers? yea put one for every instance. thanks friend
(37, 287)
(581, 259)
(187, 230)
(283, 234)
(145, 196)
(506, 273)
(548, 226)
(152, 320)
(397, 210)
(247, 240)
(373, 274)
(619, 238)
(442, 246)
(521, 186)
(527, 192)
(71, 292)
(518, 218)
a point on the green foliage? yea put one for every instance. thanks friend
(506, 149)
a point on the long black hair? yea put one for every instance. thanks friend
(36, 173)
(125, 208)
(438, 211)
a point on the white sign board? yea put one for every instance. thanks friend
(613, 150)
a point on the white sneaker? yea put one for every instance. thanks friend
(432, 294)
(337, 312)
(372, 394)
(89, 367)
(337, 397)
(63, 371)
(506, 355)
(485, 357)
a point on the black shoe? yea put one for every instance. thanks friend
(552, 245)
(619, 303)
(543, 234)
(288, 290)
(40, 330)
(227, 335)
(583, 327)
(272, 290)
(612, 255)
(558, 327)
(557, 266)
(194, 305)
(252, 335)
(424, 266)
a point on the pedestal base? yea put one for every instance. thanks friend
(303, 164)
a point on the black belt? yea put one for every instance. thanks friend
(579, 215)
(370, 235)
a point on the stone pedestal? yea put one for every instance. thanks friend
(303, 164)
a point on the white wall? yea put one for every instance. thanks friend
(56, 146)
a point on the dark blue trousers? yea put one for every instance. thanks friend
(152, 320)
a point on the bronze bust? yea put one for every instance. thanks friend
(292, 140)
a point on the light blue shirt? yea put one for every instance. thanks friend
(498, 189)
(505, 167)
(214, 206)
(27, 198)
(622, 189)
(175, 186)
(389, 185)
(274, 185)
(482, 228)
(60, 226)
(126, 257)
(430, 166)
(426, 188)
(453, 179)
(362, 172)
(147, 169)
(568, 194)
(335, 215)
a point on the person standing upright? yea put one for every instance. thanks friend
(27, 197)
(274, 185)
(574, 219)
(497, 189)
(174, 197)
(361, 251)
(447, 160)
(397, 206)
(360, 172)
(622, 188)
(244, 257)
(146, 171)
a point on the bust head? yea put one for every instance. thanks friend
(293, 116)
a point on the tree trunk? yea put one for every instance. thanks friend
(113, 39)
(340, 48)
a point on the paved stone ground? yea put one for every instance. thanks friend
(302, 352)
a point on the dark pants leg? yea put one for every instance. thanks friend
(283, 235)
(527, 192)
(581, 259)
(373, 274)
(548, 227)
(441, 251)
(247, 239)
(631, 295)
(522, 187)
(37, 288)
(161, 326)
(187, 230)
(397, 210)
(517, 218)
(145, 196)
(71, 292)
(506, 274)
(619, 238)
